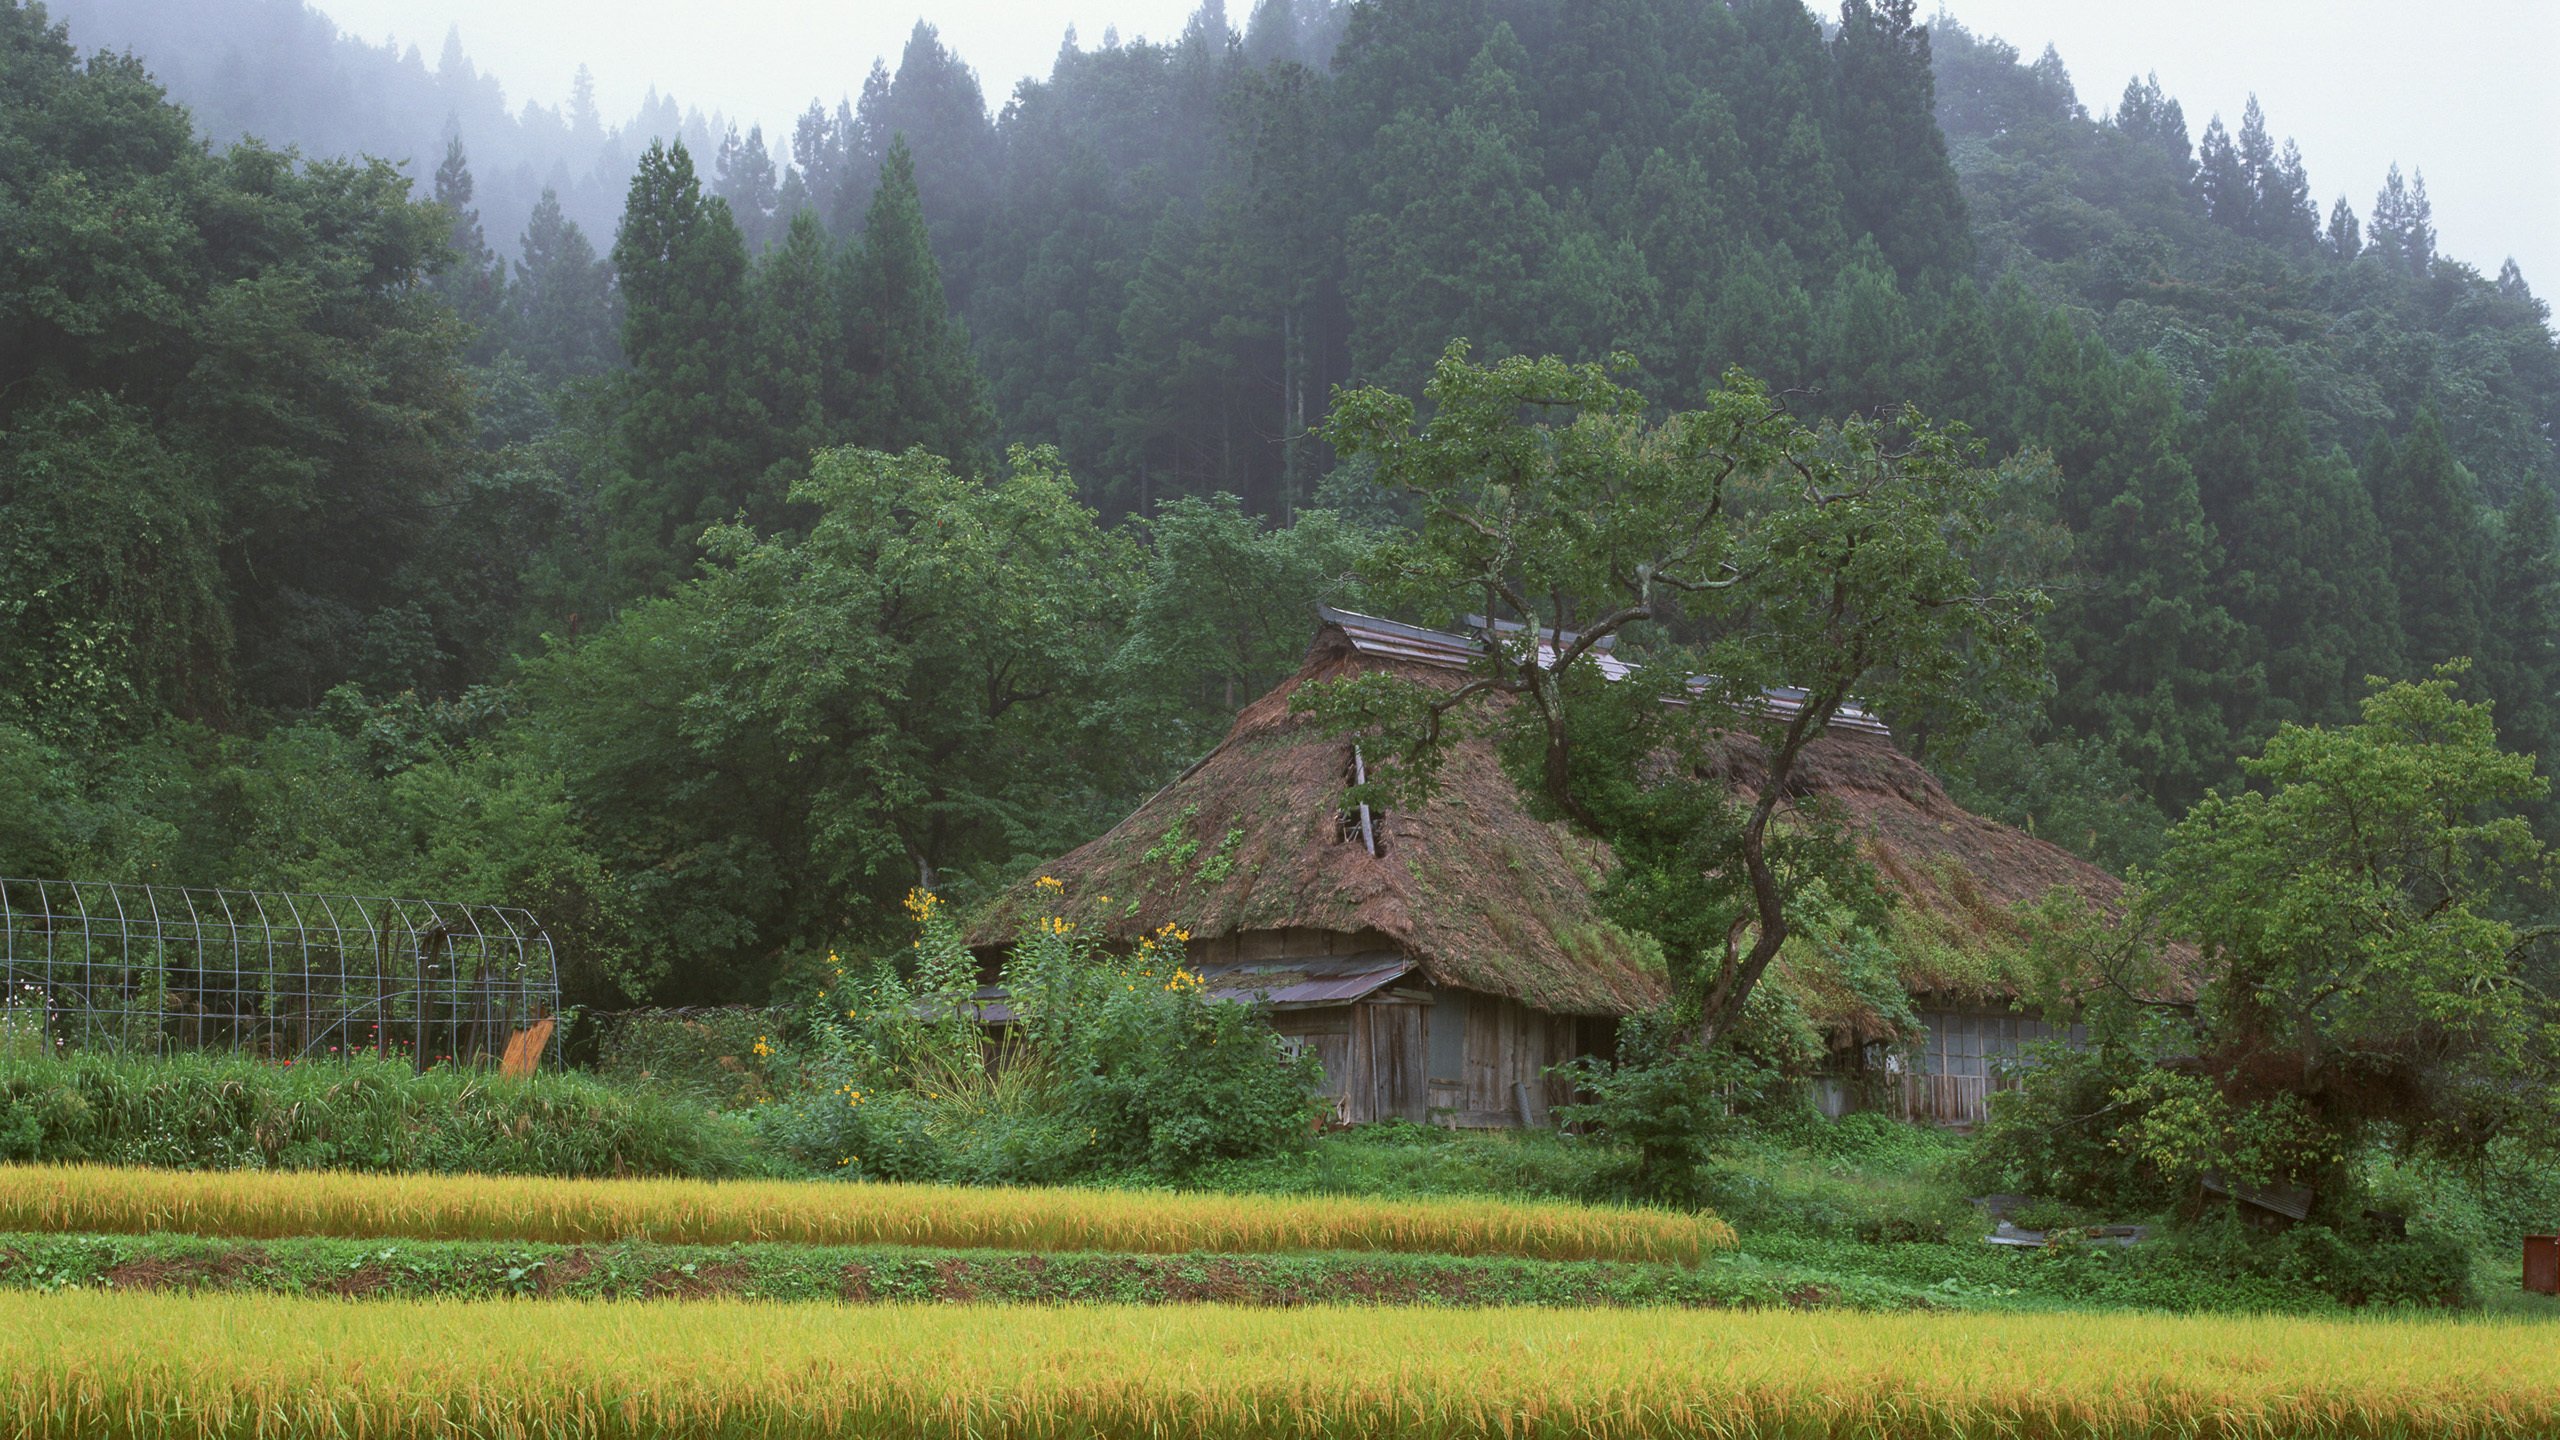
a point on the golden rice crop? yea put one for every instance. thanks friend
(263, 1205)
(182, 1367)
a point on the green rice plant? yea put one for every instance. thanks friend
(69, 1199)
(184, 1367)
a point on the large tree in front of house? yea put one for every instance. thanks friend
(1734, 552)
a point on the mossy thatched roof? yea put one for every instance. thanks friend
(1483, 895)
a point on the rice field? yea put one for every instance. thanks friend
(130, 1365)
(265, 1205)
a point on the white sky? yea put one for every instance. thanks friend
(2461, 89)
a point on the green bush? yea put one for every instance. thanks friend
(1110, 1066)
(203, 1112)
(706, 1056)
(2357, 1263)
(1670, 1104)
(2061, 1133)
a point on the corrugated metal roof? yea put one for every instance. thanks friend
(1325, 980)
(1315, 980)
(1395, 640)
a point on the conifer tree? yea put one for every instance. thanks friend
(1456, 234)
(1271, 34)
(693, 433)
(933, 108)
(2403, 231)
(908, 378)
(795, 350)
(560, 310)
(1896, 183)
(1869, 348)
(474, 282)
(743, 175)
(2144, 656)
(2149, 115)
(2522, 667)
(2430, 510)
(2305, 565)
(2223, 180)
(2345, 239)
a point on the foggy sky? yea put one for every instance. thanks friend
(2460, 89)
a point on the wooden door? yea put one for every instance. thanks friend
(1398, 1059)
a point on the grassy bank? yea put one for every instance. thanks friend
(215, 1112)
(189, 1366)
(74, 1199)
(463, 1269)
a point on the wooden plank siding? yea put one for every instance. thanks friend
(1501, 1049)
(1454, 1058)
(1966, 1055)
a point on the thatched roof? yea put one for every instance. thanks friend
(1481, 894)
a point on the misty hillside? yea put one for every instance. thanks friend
(376, 549)
(281, 70)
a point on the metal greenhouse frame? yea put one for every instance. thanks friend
(148, 969)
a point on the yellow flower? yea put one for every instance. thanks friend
(1051, 882)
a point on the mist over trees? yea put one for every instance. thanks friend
(283, 71)
(457, 527)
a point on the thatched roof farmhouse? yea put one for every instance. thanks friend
(1441, 959)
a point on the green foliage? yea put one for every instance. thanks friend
(221, 1113)
(1739, 551)
(1400, 1158)
(909, 377)
(835, 1274)
(217, 366)
(2357, 985)
(1107, 1065)
(692, 428)
(1671, 1103)
(2349, 917)
(819, 723)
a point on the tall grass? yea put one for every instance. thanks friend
(70, 1199)
(123, 1365)
(216, 1112)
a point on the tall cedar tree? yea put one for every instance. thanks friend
(693, 434)
(560, 310)
(908, 378)
(1896, 183)
(2440, 552)
(475, 279)
(794, 351)
(2305, 565)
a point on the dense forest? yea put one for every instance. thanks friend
(455, 529)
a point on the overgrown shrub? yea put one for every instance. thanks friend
(2061, 1134)
(1105, 1065)
(1671, 1104)
(2356, 1263)
(707, 1056)
(201, 1112)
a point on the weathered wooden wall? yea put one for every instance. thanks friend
(1968, 1054)
(1486, 1050)
(1459, 1058)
